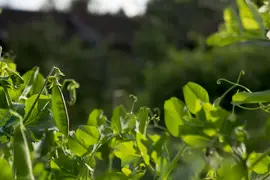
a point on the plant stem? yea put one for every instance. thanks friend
(39, 94)
(8, 98)
(174, 162)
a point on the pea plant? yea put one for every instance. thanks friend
(201, 137)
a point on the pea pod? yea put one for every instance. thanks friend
(59, 110)
(72, 85)
(22, 160)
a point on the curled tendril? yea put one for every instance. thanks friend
(242, 72)
(135, 100)
(234, 84)
(219, 81)
(158, 111)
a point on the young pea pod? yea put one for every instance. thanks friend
(59, 110)
(71, 86)
(22, 160)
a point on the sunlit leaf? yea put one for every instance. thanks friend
(251, 98)
(250, 17)
(119, 114)
(95, 118)
(87, 135)
(196, 141)
(141, 142)
(262, 166)
(4, 116)
(237, 170)
(194, 94)
(174, 112)
(232, 21)
(143, 119)
(59, 110)
(126, 152)
(36, 110)
(6, 170)
(15, 77)
(75, 147)
(40, 172)
(32, 80)
(126, 171)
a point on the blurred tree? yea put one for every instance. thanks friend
(174, 23)
(167, 78)
(45, 43)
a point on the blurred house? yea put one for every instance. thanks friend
(118, 31)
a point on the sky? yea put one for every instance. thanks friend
(131, 7)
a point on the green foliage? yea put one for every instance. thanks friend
(200, 140)
(96, 67)
(243, 24)
(130, 145)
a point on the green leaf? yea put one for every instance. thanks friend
(4, 116)
(95, 117)
(82, 141)
(128, 123)
(59, 110)
(141, 141)
(250, 17)
(174, 112)
(262, 166)
(196, 141)
(126, 152)
(158, 155)
(173, 165)
(237, 170)
(119, 114)
(32, 80)
(222, 38)
(6, 170)
(194, 95)
(143, 120)
(251, 98)
(40, 171)
(75, 147)
(22, 160)
(65, 167)
(15, 77)
(232, 21)
(37, 109)
(87, 135)
(47, 144)
(126, 171)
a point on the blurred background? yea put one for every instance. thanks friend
(114, 48)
